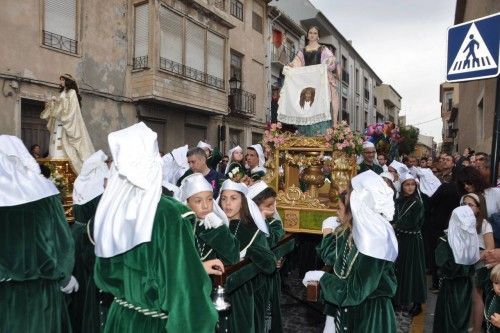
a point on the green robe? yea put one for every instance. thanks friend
(273, 319)
(164, 275)
(363, 294)
(453, 305)
(88, 306)
(84, 266)
(362, 167)
(492, 305)
(83, 213)
(36, 253)
(249, 293)
(214, 158)
(216, 243)
(410, 264)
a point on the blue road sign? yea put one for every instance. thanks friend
(474, 49)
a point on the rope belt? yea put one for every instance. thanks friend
(409, 232)
(146, 312)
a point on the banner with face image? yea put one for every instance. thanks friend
(304, 98)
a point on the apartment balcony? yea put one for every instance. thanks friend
(282, 55)
(241, 103)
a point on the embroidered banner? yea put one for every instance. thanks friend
(304, 98)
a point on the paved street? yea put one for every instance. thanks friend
(302, 316)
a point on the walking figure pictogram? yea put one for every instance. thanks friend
(472, 53)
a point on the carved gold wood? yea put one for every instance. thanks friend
(294, 197)
(63, 166)
(306, 154)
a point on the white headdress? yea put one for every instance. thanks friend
(175, 164)
(399, 167)
(406, 176)
(231, 151)
(428, 182)
(260, 152)
(125, 215)
(196, 183)
(372, 208)
(252, 206)
(90, 182)
(368, 144)
(20, 178)
(203, 145)
(462, 236)
(387, 175)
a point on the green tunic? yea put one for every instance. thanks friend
(36, 257)
(362, 167)
(83, 213)
(249, 297)
(163, 275)
(273, 320)
(491, 306)
(410, 264)
(83, 269)
(361, 287)
(454, 302)
(216, 243)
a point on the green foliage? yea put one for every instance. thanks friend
(410, 138)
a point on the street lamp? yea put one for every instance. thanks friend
(234, 83)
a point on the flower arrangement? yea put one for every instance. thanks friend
(237, 173)
(342, 138)
(58, 179)
(273, 137)
(385, 136)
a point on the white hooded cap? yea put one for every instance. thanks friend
(126, 212)
(20, 178)
(203, 145)
(372, 207)
(462, 236)
(90, 182)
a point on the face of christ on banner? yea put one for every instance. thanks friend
(307, 96)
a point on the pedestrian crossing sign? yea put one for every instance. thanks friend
(474, 49)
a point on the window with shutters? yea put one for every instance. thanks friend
(236, 9)
(199, 55)
(236, 66)
(60, 25)
(257, 14)
(141, 36)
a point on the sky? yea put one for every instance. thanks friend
(404, 42)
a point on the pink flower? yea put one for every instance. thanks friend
(339, 146)
(278, 125)
(273, 127)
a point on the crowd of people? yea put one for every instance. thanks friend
(149, 231)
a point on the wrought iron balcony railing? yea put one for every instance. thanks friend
(242, 103)
(141, 62)
(189, 72)
(60, 42)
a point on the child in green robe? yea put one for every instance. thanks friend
(265, 198)
(410, 264)
(492, 306)
(249, 227)
(211, 227)
(362, 282)
(456, 254)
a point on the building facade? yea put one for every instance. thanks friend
(449, 99)
(425, 146)
(477, 98)
(387, 103)
(167, 63)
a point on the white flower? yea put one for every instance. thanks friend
(235, 170)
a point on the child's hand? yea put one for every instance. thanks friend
(495, 319)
